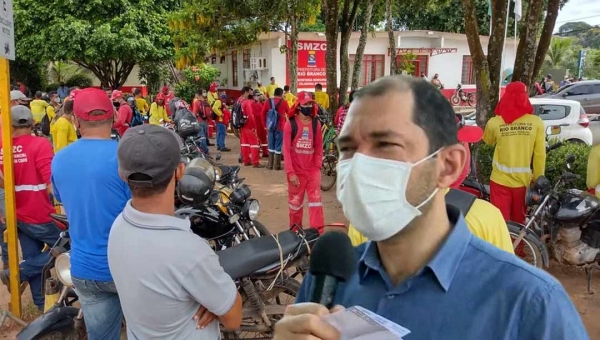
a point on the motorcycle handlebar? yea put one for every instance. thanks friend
(570, 176)
(554, 146)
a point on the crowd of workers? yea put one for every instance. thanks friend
(413, 139)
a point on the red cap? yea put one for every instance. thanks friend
(116, 94)
(165, 90)
(213, 87)
(92, 99)
(160, 96)
(470, 134)
(305, 98)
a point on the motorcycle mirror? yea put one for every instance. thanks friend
(218, 156)
(570, 159)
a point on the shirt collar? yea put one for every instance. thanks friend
(154, 221)
(445, 262)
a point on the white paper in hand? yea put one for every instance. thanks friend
(357, 323)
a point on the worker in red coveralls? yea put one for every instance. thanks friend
(168, 96)
(248, 139)
(124, 112)
(275, 135)
(303, 153)
(259, 119)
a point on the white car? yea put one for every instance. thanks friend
(568, 114)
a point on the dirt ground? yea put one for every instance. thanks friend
(270, 188)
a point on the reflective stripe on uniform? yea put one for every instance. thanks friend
(254, 146)
(28, 187)
(295, 207)
(510, 170)
(315, 204)
(242, 145)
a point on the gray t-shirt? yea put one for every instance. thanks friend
(163, 273)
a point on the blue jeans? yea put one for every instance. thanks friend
(32, 238)
(203, 134)
(275, 141)
(101, 308)
(221, 133)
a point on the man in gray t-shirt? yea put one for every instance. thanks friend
(170, 282)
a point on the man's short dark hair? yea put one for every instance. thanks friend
(246, 89)
(145, 192)
(271, 78)
(278, 92)
(431, 110)
(52, 93)
(286, 88)
(137, 92)
(319, 87)
(68, 107)
(95, 123)
(200, 92)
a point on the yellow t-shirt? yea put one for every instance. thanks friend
(322, 98)
(38, 109)
(142, 105)
(290, 98)
(157, 113)
(63, 133)
(516, 144)
(593, 170)
(263, 90)
(271, 90)
(483, 219)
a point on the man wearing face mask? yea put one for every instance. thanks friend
(303, 154)
(124, 112)
(423, 269)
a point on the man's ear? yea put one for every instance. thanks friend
(179, 171)
(451, 161)
(122, 176)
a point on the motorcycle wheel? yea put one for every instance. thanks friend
(66, 333)
(472, 100)
(454, 100)
(261, 229)
(289, 287)
(328, 172)
(527, 250)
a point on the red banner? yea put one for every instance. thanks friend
(311, 64)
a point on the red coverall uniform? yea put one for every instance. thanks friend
(168, 98)
(261, 130)
(248, 139)
(303, 158)
(124, 116)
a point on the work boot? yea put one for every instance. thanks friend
(5, 279)
(225, 149)
(277, 162)
(270, 161)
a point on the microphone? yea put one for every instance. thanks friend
(333, 260)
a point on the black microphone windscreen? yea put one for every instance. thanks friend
(333, 255)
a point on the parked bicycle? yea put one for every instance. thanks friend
(330, 155)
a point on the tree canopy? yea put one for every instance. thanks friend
(107, 37)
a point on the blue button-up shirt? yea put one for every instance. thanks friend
(469, 290)
(63, 92)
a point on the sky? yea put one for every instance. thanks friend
(579, 10)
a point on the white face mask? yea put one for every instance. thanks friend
(372, 192)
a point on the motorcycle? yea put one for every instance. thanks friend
(460, 97)
(565, 224)
(258, 267)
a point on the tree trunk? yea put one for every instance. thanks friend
(545, 39)
(293, 54)
(391, 36)
(367, 9)
(348, 19)
(485, 92)
(331, 8)
(524, 61)
(495, 52)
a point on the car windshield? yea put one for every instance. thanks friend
(564, 87)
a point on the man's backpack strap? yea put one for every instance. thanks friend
(461, 200)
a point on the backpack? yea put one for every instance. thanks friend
(186, 123)
(273, 115)
(461, 200)
(45, 124)
(295, 128)
(136, 117)
(238, 120)
(342, 119)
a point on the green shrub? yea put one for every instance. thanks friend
(555, 162)
(81, 80)
(196, 78)
(51, 87)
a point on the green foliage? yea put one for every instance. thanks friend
(81, 80)
(33, 74)
(406, 63)
(555, 162)
(558, 52)
(106, 37)
(154, 75)
(318, 26)
(196, 78)
(51, 87)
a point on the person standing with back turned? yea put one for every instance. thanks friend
(86, 180)
(303, 154)
(519, 136)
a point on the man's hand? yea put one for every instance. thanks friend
(303, 321)
(295, 180)
(2, 220)
(203, 317)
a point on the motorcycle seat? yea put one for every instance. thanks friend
(61, 219)
(249, 256)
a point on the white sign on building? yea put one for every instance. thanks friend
(7, 33)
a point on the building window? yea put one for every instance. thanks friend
(468, 74)
(372, 68)
(222, 61)
(246, 58)
(234, 69)
(420, 64)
